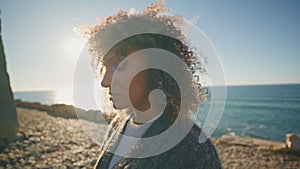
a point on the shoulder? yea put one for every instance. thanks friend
(113, 119)
(109, 117)
(194, 151)
(200, 151)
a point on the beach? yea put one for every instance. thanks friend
(50, 138)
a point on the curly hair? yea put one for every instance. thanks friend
(161, 31)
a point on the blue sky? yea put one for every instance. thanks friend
(258, 41)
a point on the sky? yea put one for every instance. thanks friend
(258, 41)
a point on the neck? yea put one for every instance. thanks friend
(149, 115)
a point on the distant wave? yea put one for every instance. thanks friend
(260, 105)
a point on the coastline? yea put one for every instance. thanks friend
(51, 136)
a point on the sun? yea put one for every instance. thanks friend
(73, 46)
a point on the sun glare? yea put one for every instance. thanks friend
(64, 95)
(73, 46)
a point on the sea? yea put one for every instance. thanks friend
(259, 111)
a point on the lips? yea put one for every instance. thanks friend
(113, 95)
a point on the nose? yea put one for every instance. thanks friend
(106, 81)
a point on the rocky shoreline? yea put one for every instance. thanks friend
(51, 137)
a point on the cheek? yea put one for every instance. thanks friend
(121, 82)
(138, 87)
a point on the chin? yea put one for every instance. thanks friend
(119, 106)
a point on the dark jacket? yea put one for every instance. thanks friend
(189, 153)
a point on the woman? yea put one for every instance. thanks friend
(149, 116)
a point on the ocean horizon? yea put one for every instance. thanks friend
(259, 111)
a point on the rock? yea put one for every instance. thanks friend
(8, 115)
(251, 142)
(292, 142)
(17, 137)
(2, 144)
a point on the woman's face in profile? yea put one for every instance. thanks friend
(118, 90)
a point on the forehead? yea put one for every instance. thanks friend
(111, 58)
(112, 62)
(117, 54)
